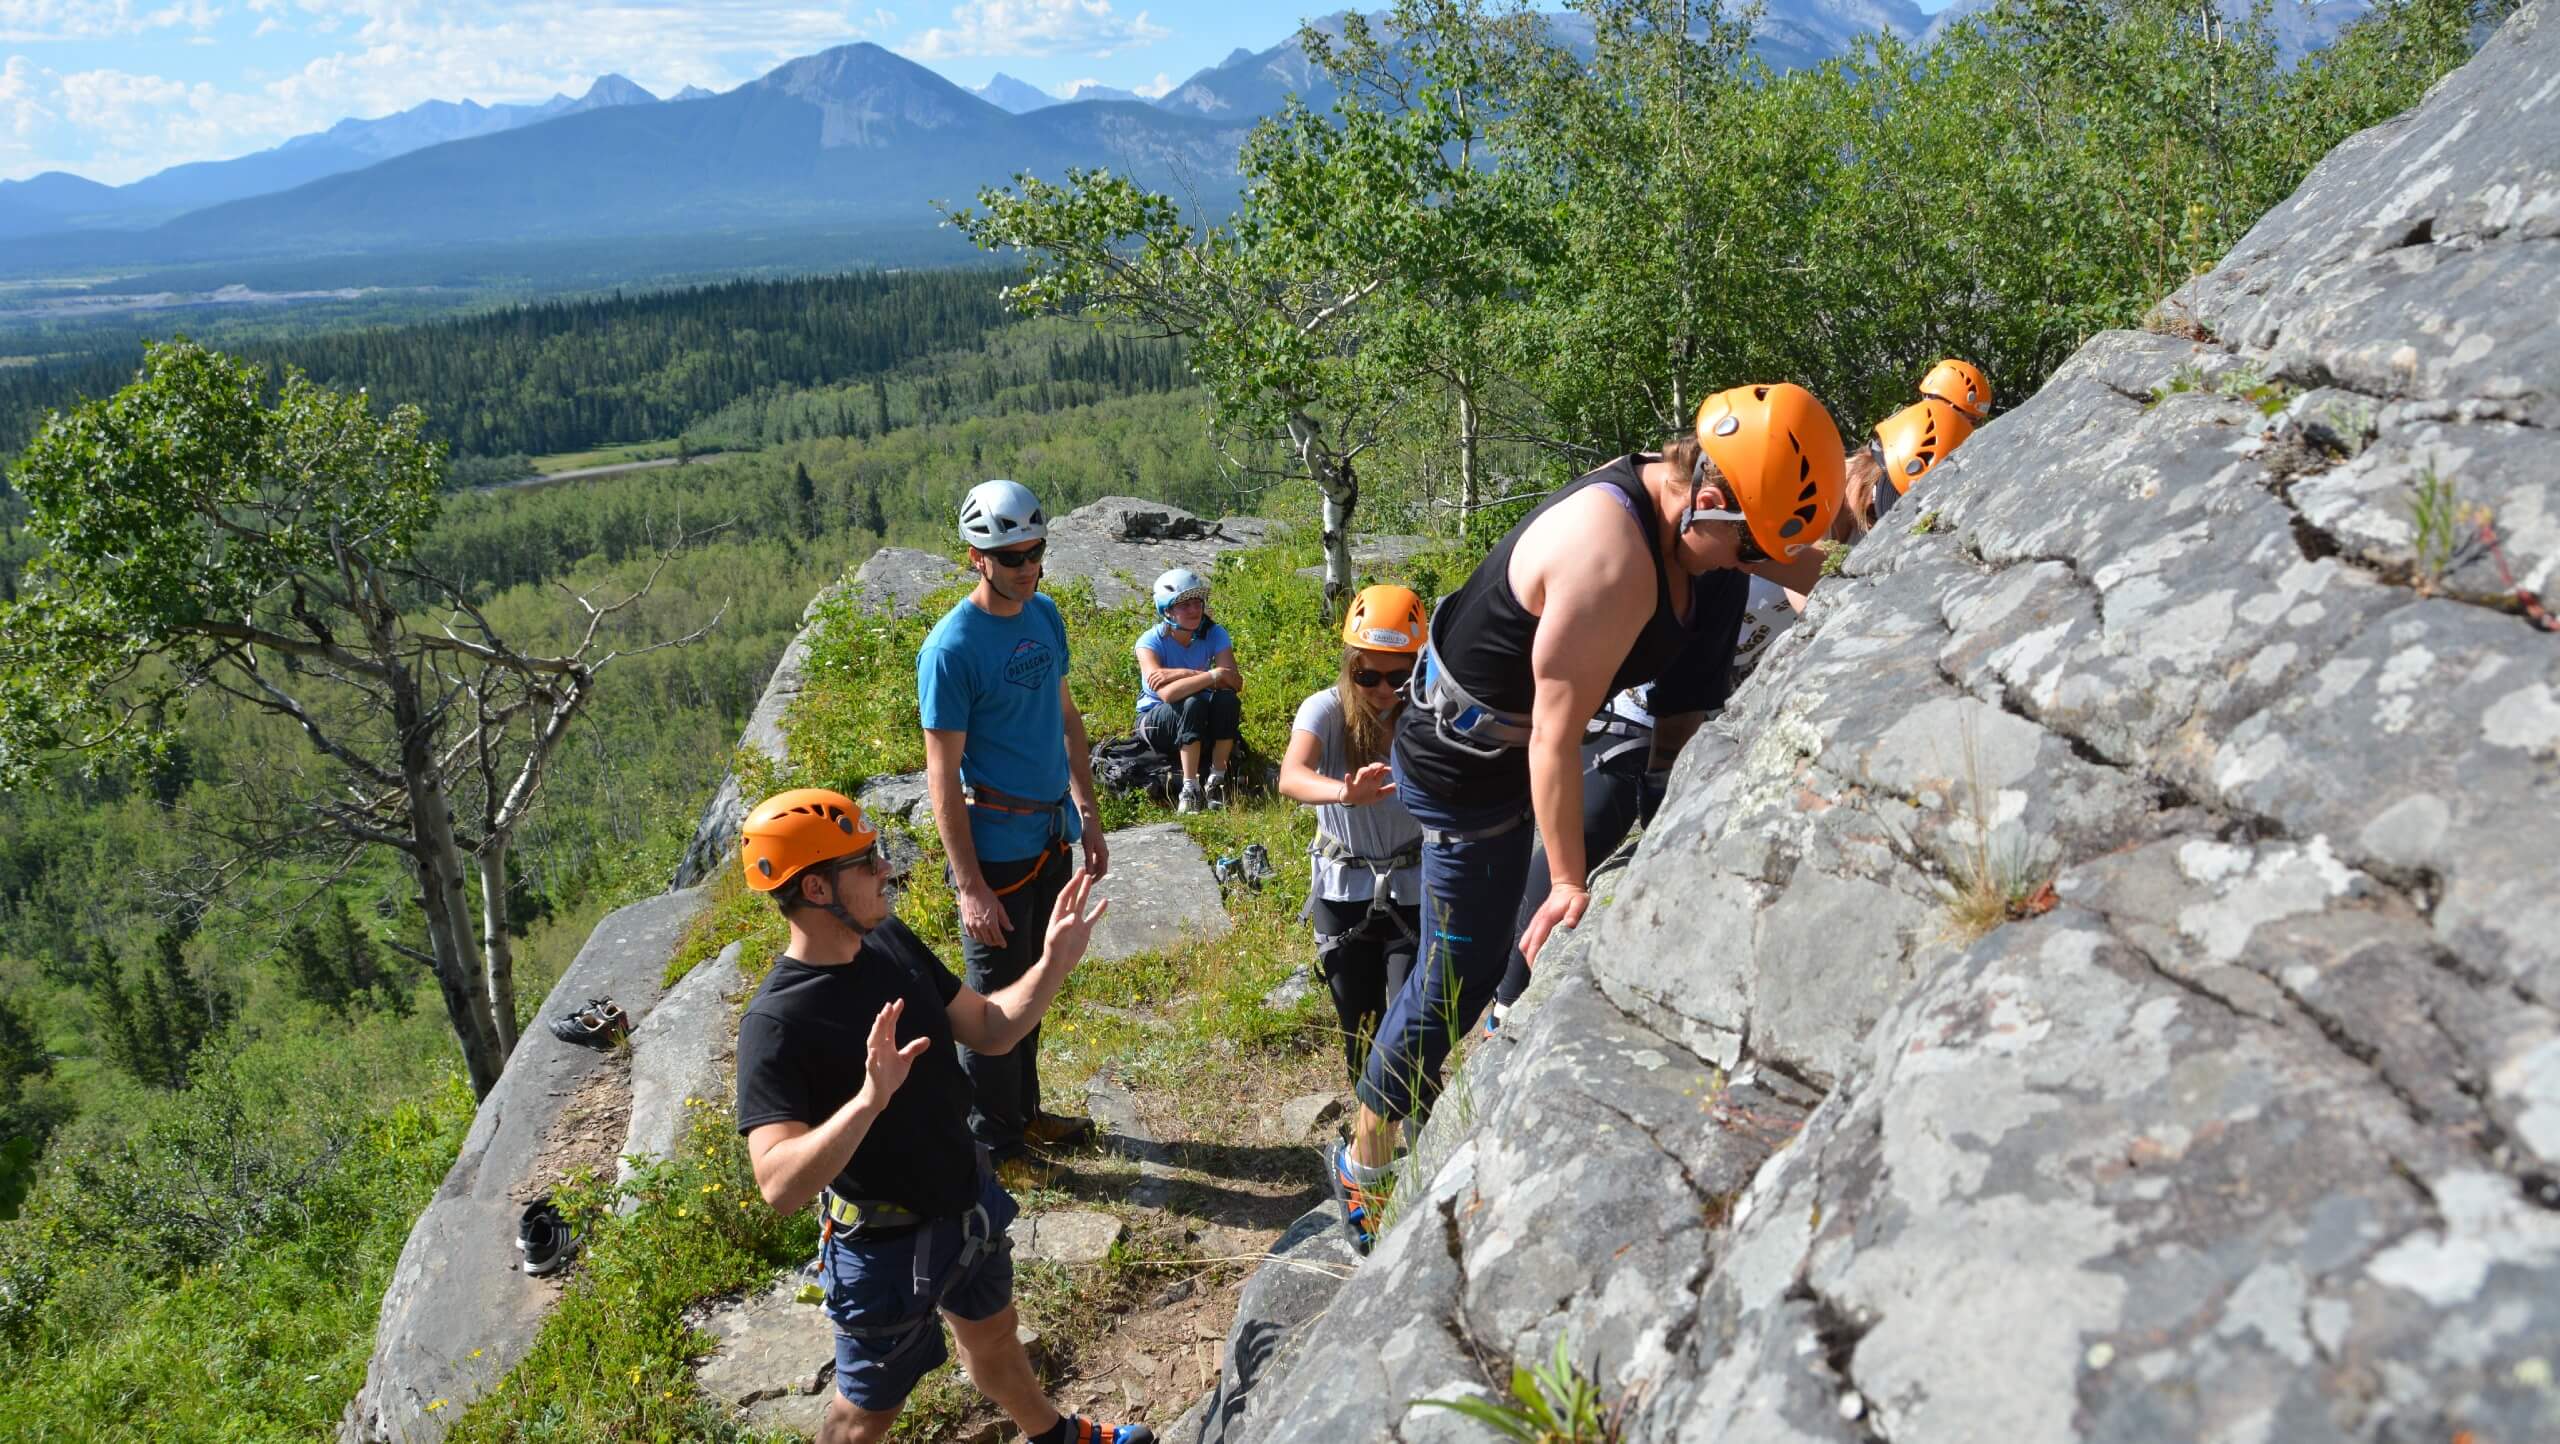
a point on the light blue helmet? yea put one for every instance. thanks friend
(1177, 585)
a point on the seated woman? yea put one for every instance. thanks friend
(1187, 688)
(1366, 897)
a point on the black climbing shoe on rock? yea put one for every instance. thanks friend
(600, 1024)
(544, 1239)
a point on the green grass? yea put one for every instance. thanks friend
(616, 454)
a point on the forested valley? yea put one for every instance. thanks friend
(226, 1083)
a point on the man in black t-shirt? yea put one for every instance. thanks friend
(849, 1091)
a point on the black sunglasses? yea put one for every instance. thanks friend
(1023, 557)
(1363, 677)
(874, 858)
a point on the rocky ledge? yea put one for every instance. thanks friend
(2098, 980)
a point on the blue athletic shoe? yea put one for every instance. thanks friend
(1359, 1215)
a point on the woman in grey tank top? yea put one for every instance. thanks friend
(1365, 899)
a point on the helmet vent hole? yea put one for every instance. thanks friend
(1728, 424)
(765, 865)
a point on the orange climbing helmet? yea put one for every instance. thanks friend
(1917, 438)
(797, 829)
(1386, 618)
(1782, 462)
(1961, 385)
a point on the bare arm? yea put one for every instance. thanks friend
(793, 1161)
(1591, 584)
(993, 1023)
(1223, 671)
(1097, 850)
(1302, 781)
(1172, 684)
(981, 914)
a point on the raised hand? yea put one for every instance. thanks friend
(1070, 925)
(884, 1063)
(1368, 784)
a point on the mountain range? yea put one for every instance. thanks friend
(57, 200)
(856, 138)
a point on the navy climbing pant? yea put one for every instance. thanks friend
(1470, 890)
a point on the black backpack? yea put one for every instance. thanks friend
(1126, 765)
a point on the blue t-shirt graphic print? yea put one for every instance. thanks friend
(996, 679)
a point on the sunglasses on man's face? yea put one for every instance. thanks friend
(1363, 677)
(1020, 556)
(874, 858)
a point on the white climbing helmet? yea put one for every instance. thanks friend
(999, 514)
(1179, 585)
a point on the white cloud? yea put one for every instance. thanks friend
(34, 22)
(388, 55)
(1035, 27)
(1157, 88)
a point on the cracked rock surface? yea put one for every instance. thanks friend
(2237, 1115)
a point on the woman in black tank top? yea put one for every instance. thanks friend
(1484, 636)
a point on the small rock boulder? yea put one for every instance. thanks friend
(1067, 1236)
(1305, 1114)
(1121, 544)
(896, 580)
(1161, 892)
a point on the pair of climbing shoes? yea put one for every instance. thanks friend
(544, 1240)
(600, 1024)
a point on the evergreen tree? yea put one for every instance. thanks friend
(312, 972)
(804, 494)
(873, 521)
(879, 407)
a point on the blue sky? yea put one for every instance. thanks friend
(116, 89)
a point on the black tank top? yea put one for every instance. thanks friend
(1484, 636)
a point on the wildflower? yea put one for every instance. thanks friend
(434, 1404)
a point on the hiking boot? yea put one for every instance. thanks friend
(1359, 1208)
(1493, 1017)
(1257, 866)
(1054, 1129)
(544, 1239)
(1213, 793)
(1190, 797)
(1024, 1172)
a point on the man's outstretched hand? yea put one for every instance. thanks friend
(884, 1063)
(1070, 925)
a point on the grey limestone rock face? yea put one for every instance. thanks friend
(684, 1050)
(896, 580)
(1121, 544)
(457, 1315)
(2243, 1121)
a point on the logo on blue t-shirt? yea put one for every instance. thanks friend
(1029, 665)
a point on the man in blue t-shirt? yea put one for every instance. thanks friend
(1011, 778)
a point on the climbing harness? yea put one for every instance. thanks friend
(1381, 897)
(988, 799)
(1464, 723)
(877, 1218)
